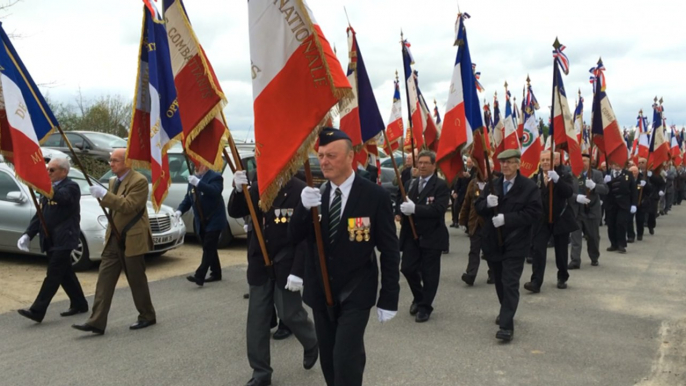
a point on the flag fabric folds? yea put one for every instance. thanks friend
(643, 145)
(531, 144)
(498, 133)
(416, 121)
(604, 124)
(394, 128)
(296, 81)
(156, 121)
(511, 140)
(430, 129)
(659, 145)
(25, 120)
(200, 97)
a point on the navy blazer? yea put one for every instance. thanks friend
(210, 190)
(62, 215)
(429, 214)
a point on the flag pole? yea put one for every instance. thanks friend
(39, 212)
(556, 45)
(400, 183)
(407, 96)
(90, 183)
(251, 207)
(320, 248)
(490, 184)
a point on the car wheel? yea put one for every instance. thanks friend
(225, 238)
(80, 257)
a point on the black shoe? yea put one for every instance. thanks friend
(282, 333)
(562, 284)
(453, 225)
(529, 260)
(497, 320)
(257, 382)
(446, 251)
(246, 296)
(490, 280)
(621, 250)
(31, 315)
(74, 311)
(213, 278)
(504, 335)
(612, 249)
(310, 357)
(142, 324)
(529, 286)
(421, 317)
(88, 328)
(414, 308)
(629, 240)
(468, 279)
(573, 266)
(639, 238)
(651, 230)
(192, 279)
(594, 263)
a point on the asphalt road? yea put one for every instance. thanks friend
(622, 323)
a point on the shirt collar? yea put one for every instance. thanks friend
(345, 186)
(124, 176)
(58, 182)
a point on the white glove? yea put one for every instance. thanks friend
(311, 197)
(650, 174)
(385, 315)
(499, 220)
(633, 209)
(193, 180)
(407, 207)
(492, 201)
(552, 174)
(642, 183)
(590, 184)
(177, 215)
(23, 243)
(661, 193)
(240, 178)
(294, 283)
(97, 191)
(608, 178)
(581, 199)
(245, 228)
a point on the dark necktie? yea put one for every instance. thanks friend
(335, 215)
(422, 184)
(506, 187)
(117, 182)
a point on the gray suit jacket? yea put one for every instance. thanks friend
(592, 210)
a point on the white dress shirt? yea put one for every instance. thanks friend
(345, 191)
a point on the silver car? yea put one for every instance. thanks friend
(178, 170)
(17, 209)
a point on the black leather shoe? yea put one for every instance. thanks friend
(629, 240)
(282, 333)
(651, 230)
(573, 266)
(421, 317)
(414, 308)
(490, 280)
(468, 279)
(561, 284)
(529, 260)
(88, 328)
(74, 311)
(310, 357)
(497, 320)
(621, 250)
(213, 278)
(257, 382)
(453, 225)
(142, 324)
(192, 279)
(504, 335)
(594, 263)
(611, 249)
(639, 238)
(529, 286)
(31, 315)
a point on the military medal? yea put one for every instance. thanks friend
(366, 223)
(351, 229)
(277, 214)
(290, 213)
(358, 229)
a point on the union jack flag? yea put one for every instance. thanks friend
(562, 59)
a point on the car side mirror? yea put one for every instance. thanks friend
(16, 196)
(79, 145)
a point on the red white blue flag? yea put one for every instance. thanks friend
(25, 120)
(394, 128)
(531, 144)
(604, 126)
(156, 122)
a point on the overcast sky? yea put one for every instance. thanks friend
(94, 45)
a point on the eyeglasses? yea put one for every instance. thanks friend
(114, 160)
(52, 170)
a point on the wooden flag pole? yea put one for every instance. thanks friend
(195, 192)
(400, 183)
(39, 212)
(320, 248)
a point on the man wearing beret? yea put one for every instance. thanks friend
(512, 205)
(356, 219)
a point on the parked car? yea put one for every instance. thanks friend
(17, 209)
(86, 143)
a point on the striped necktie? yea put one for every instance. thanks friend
(335, 215)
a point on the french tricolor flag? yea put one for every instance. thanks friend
(643, 137)
(511, 138)
(417, 121)
(156, 122)
(25, 120)
(394, 129)
(296, 81)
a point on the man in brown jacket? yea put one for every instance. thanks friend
(127, 200)
(473, 222)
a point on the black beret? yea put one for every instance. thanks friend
(329, 134)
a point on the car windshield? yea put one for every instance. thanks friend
(103, 140)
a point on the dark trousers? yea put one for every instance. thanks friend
(630, 233)
(591, 232)
(652, 220)
(640, 221)
(60, 273)
(422, 269)
(617, 221)
(289, 306)
(506, 274)
(539, 249)
(210, 257)
(474, 253)
(341, 345)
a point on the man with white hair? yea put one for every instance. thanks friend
(62, 216)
